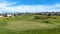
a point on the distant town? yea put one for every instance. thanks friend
(39, 13)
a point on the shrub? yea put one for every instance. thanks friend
(40, 17)
(53, 17)
(47, 22)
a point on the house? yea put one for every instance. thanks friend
(8, 15)
(1, 15)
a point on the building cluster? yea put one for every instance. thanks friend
(41, 13)
(10, 14)
(50, 13)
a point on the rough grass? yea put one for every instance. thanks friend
(36, 31)
(29, 25)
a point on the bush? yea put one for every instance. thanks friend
(53, 17)
(41, 17)
(47, 22)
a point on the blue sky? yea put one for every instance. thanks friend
(35, 2)
(29, 5)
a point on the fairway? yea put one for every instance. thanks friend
(28, 25)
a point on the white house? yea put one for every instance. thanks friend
(1, 15)
(10, 15)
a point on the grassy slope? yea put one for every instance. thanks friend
(27, 25)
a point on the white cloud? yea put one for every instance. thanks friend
(4, 6)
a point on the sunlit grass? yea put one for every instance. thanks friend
(29, 25)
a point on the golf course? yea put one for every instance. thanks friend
(30, 24)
